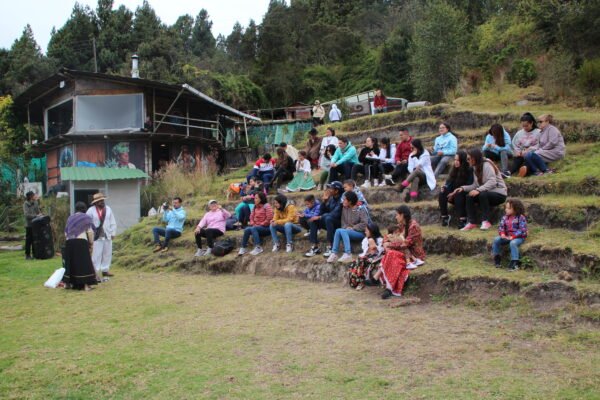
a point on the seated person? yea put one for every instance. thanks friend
(313, 207)
(444, 149)
(403, 150)
(211, 226)
(380, 104)
(461, 174)
(303, 179)
(421, 173)
(263, 170)
(260, 221)
(313, 147)
(353, 225)
(284, 168)
(550, 147)
(175, 218)
(343, 160)
(242, 210)
(524, 142)
(387, 157)
(329, 218)
(498, 147)
(368, 162)
(325, 166)
(290, 150)
(285, 220)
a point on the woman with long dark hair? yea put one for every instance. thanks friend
(387, 154)
(498, 147)
(259, 225)
(524, 142)
(284, 168)
(421, 173)
(461, 174)
(488, 189)
(79, 235)
(368, 161)
(324, 164)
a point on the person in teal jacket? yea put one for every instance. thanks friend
(444, 149)
(498, 147)
(342, 161)
(175, 218)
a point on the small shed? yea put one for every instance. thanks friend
(121, 186)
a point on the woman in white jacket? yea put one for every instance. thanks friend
(420, 172)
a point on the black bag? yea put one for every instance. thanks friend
(222, 247)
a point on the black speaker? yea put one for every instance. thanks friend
(43, 243)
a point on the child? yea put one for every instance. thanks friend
(350, 186)
(367, 263)
(512, 231)
(313, 209)
(395, 235)
(303, 179)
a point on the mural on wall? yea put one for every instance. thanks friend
(66, 157)
(111, 155)
(186, 159)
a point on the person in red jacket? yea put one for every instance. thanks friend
(379, 102)
(403, 150)
(260, 223)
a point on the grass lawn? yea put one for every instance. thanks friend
(151, 335)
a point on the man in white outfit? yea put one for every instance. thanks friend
(105, 231)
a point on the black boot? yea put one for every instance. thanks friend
(445, 220)
(387, 293)
(514, 265)
(497, 260)
(462, 223)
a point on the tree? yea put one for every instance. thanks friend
(13, 135)
(183, 28)
(438, 50)
(114, 45)
(203, 41)
(249, 45)
(146, 25)
(233, 43)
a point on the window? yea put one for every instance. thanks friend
(97, 113)
(59, 119)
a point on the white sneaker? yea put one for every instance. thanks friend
(345, 258)
(366, 185)
(307, 234)
(387, 177)
(276, 247)
(382, 184)
(332, 258)
(208, 252)
(257, 250)
(289, 248)
(327, 252)
(199, 253)
(242, 251)
(376, 182)
(411, 266)
(419, 262)
(312, 252)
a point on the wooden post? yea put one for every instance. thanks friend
(29, 123)
(246, 132)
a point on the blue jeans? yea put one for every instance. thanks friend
(167, 233)
(535, 163)
(347, 236)
(256, 232)
(329, 224)
(514, 247)
(288, 229)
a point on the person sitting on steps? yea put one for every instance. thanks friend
(263, 170)
(343, 160)
(523, 143)
(550, 147)
(444, 149)
(368, 161)
(329, 218)
(512, 231)
(353, 224)
(421, 173)
(461, 174)
(259, 225)
(211, 226)
(312, 209)
(498, 147)
(175, 218)
(387, 157)
(285, 220)
(403, 150)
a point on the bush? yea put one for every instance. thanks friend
(522, 72)
(58, 210)
(557, 74)
(588, 76)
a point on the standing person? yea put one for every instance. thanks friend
(79, 236)
(523, 143)
(488, 189)
(318, 113)
(329, 218)
(421, 173)
(444, 149)
(335, 115)
(368, 161)
(325, 165)
(498, 147)
(263, 170)
(105, 227)
(175, 218)
(303, 179)
(285, 220)
(259, 225)
(343, 160)
(393, 271)
(379, 102)
(387, 157)
(403, 150)
(512, 231)
(313, 148)
(550, 147)
(352, 228)
(461, 174)
(211, 226)
(31, 209)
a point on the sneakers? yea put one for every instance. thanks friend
(549, 171)
(257, 250)
(208, 252)
(446, 220)
(411, 266)
(345, 258)
(382, 184)
(276, 248)
(497, 260)
(307, 234)
(157, 248)
(332, 258)
(289, 248)
(485, 225)
(469, 227)
(387, 176)
(366, 185)
(505, 174)
(419, 262)
(375, 182)
(327, 252)
(389, 182)
(462, 223)
(387, 293)
(514, 265)
(164, 250)
(242, 251)
(313, 252)
(199, 253)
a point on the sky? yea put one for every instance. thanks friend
(42, 15)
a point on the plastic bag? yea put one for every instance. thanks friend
(55, 278)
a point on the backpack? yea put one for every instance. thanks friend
(222, 247)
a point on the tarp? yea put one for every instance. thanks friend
(12, 173)
(273, 134)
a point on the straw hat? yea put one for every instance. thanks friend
(97, 197)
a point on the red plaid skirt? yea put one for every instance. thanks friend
(394, 270)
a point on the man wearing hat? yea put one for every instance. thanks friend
(318, 113)
(105, 227)
(329, 218)
(211, 226)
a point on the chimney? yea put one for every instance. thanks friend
(135, 72)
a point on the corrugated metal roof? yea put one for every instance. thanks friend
(100, 174)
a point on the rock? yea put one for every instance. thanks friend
(565, 276)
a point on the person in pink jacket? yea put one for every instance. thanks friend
(211, 226)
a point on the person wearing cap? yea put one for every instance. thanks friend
(31, 209)
(105, 230)
(175, 218)
(329, 218)
(211, 226)
(343, 160)
(318, 113)
(313, 148)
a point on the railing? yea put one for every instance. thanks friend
(186, 125)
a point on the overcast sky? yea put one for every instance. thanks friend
(42, 15)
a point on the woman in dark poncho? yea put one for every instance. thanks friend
(79, 270)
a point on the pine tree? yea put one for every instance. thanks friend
(203, 41)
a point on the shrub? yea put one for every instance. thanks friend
(58, 211)
(522, 72)
(588, 76)
(557, 74)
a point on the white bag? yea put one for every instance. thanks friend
(55, 278)
(152, 212)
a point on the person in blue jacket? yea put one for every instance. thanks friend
(444, 149)
(343, 160)
(498, 147)
(329, 218)
(175, 218)
(313, 209)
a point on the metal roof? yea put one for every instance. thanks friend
(100, 174)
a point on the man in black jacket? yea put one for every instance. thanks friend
(31, 209)
(329, 218)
